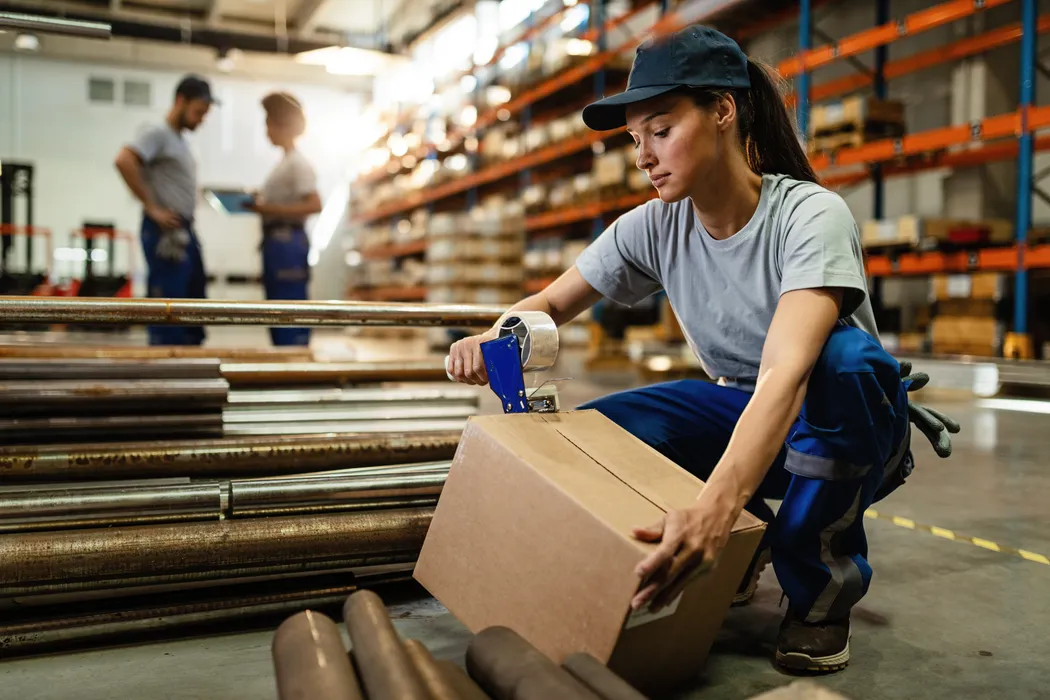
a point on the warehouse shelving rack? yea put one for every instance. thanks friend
(997, 138)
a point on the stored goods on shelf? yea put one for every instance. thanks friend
(927, 233)
(854, 121)
(974, 285)
(966, 335)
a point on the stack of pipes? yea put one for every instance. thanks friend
(310, 662)
(305, 495)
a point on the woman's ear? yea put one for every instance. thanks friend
(725, 111)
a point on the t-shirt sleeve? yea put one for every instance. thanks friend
(621, 262)
(148, 143)
(304, 179)
(822, 249)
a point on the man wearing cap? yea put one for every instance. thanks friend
(161, 172)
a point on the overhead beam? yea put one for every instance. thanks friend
(305, 19)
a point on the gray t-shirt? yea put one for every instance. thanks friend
(724, 292)
(290, 180)
(169, 168)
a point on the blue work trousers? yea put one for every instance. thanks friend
(286, 274)
(852, 430)
(173, 277)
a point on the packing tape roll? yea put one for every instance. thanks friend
(537, 337)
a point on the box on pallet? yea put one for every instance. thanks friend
(933, 231)
(966, 335)
(973, 285)
(533, 532)
(610, 170)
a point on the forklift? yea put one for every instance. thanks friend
(16, 187)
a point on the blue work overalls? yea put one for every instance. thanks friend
(853, 429)
(286, 273)
(173, 279)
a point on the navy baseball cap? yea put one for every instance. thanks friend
(194, 87)
(696, 56)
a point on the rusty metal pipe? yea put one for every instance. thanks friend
(243, 374)
(196, 312)
(437, 684)
(226, 457)
(509, 668)
(466, 688)
(207, 549)
(386, 671)
(310, 661)
(153, 352)
(74, 368)
(35, 397)
(136, 427)
(599, 679)
(259, 498)
(115, 587)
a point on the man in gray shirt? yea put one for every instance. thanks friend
(161, 172)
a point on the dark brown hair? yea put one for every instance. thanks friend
(766, 127)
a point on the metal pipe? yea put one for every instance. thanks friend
(193, 312)
(805, 43)
(418, 425)
(437, 684)
(113, 587)
(509, 668)
(465, 687)
(106, 506)
(211, 550)
(271, 373)
(36, 397)
(599, 679)
(1025, 162)
(310, 661)
(259, 498)
(55, 25)
(222, 457)
(22, 430)
(155, 352)
(82, 368)
(386, 671)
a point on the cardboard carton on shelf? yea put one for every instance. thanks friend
(930, 232)
(853, 121)
(972, 285)
(638, 180)
(885, 233)
(533, 532)
(570, 250)
(966, 335)
(610, 170)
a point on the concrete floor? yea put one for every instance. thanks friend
(944, 619)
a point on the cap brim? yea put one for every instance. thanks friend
(611, 113)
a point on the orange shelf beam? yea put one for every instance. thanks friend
(971, 46)
(570, 215)
(858, 43)
(537, 285)
(987, 259)
(395, 250)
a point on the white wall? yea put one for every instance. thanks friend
(47, 120)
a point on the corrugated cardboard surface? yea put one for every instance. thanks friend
(533, 531)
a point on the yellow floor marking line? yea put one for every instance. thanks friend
(950, 535)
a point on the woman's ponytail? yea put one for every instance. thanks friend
(768, 129)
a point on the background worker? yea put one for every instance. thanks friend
(287, 198)
(161, 172)
(763, 267)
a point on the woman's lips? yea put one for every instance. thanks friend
(659, 179)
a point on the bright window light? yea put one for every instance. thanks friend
(574, 17)
(1021, 405)
(513, 56)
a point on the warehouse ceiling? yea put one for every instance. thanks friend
(279, 26)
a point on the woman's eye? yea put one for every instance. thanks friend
(662, 133)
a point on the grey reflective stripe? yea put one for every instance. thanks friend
(846, 585)
(826, 468)
(894, 462)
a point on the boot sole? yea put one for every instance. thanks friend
(820, 664)
(743, 598)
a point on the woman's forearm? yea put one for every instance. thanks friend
(759, 434)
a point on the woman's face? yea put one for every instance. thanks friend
(679, 144)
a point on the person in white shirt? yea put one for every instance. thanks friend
(287, 198)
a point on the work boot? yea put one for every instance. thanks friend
(746, 591)
(821, 647)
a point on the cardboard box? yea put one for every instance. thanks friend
(855, 110)
(533, 531)
(931, 231)
(966, 335)
(975, 285)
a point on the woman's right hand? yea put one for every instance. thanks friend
(465, 363)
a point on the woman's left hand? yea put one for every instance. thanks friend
(690, 542)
